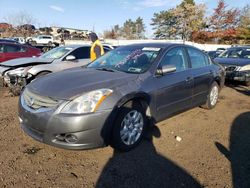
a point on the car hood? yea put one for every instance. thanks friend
(26, 61)
(71, 83)
(232, 61)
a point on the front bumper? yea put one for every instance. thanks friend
(242, 76)
(50, 127)
(14, 80)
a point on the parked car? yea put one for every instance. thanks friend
(22, 71)
(10, 51)
(236, 61)
(9, 40)
(213, 54)
(113, 99)
(220, 49)
(42, 39)
(20, 40)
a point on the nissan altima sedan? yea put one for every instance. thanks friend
(115, 98)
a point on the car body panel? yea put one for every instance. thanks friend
(40, 64)
(232, 61)
(84, 80)
(163, 95)
(233, 65)
(17, 51)
(21, 62)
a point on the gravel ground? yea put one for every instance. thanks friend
(214, 151)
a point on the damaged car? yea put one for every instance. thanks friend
(115, 98)
(19, 72)
(236, 62)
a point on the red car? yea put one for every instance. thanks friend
(12, 51)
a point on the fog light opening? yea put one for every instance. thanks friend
(70, 138)
(60, 137)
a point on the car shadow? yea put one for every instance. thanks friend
(239, 150)
(239, 87)
(144, 167)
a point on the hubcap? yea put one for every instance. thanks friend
(214, 95)
(131, 127)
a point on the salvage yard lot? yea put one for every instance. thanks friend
(214, 152)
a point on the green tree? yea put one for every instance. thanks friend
(179, 22)
(139, 28)
(191, 2)
(164, 24)
(190, 18)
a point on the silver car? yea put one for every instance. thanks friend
(113, 99)
(20, 72)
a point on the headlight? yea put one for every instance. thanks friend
(244, 68)
(22, 72)
(87, 103)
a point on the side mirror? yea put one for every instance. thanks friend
(166, 69)
(70, 58)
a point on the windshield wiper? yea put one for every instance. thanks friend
(105, 69)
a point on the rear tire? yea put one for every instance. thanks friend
(212, 97)
(129, 127)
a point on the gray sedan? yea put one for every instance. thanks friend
(115, 98)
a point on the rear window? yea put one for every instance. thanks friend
(11, 48)
(197, 58)
(81, 53)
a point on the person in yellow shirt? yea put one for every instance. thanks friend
(96, 49)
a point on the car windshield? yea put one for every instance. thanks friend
(236, 53)
(56, 53)
(127, 59)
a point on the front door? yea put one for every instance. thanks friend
(82, 56)
(174, 90)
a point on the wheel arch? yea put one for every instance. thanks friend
(43, 71)
(140, 97)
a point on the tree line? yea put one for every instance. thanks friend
(188, 21)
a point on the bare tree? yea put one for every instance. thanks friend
(22, 22)
(20, 18)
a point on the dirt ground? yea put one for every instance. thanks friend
(214, 152)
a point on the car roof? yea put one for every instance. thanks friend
(12, 43)
(161, 45)
(17, 44)
(77, 45)
(157, 45)
(8, 40)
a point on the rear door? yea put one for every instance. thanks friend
(174, 90)
(202, 72)
(12, 51)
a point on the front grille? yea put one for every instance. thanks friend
(231, 68)
(35, 101)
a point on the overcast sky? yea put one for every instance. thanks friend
(97, 14)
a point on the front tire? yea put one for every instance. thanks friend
(130, 127)
(212, 97)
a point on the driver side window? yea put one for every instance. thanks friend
(81, 53)
(177, 58)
